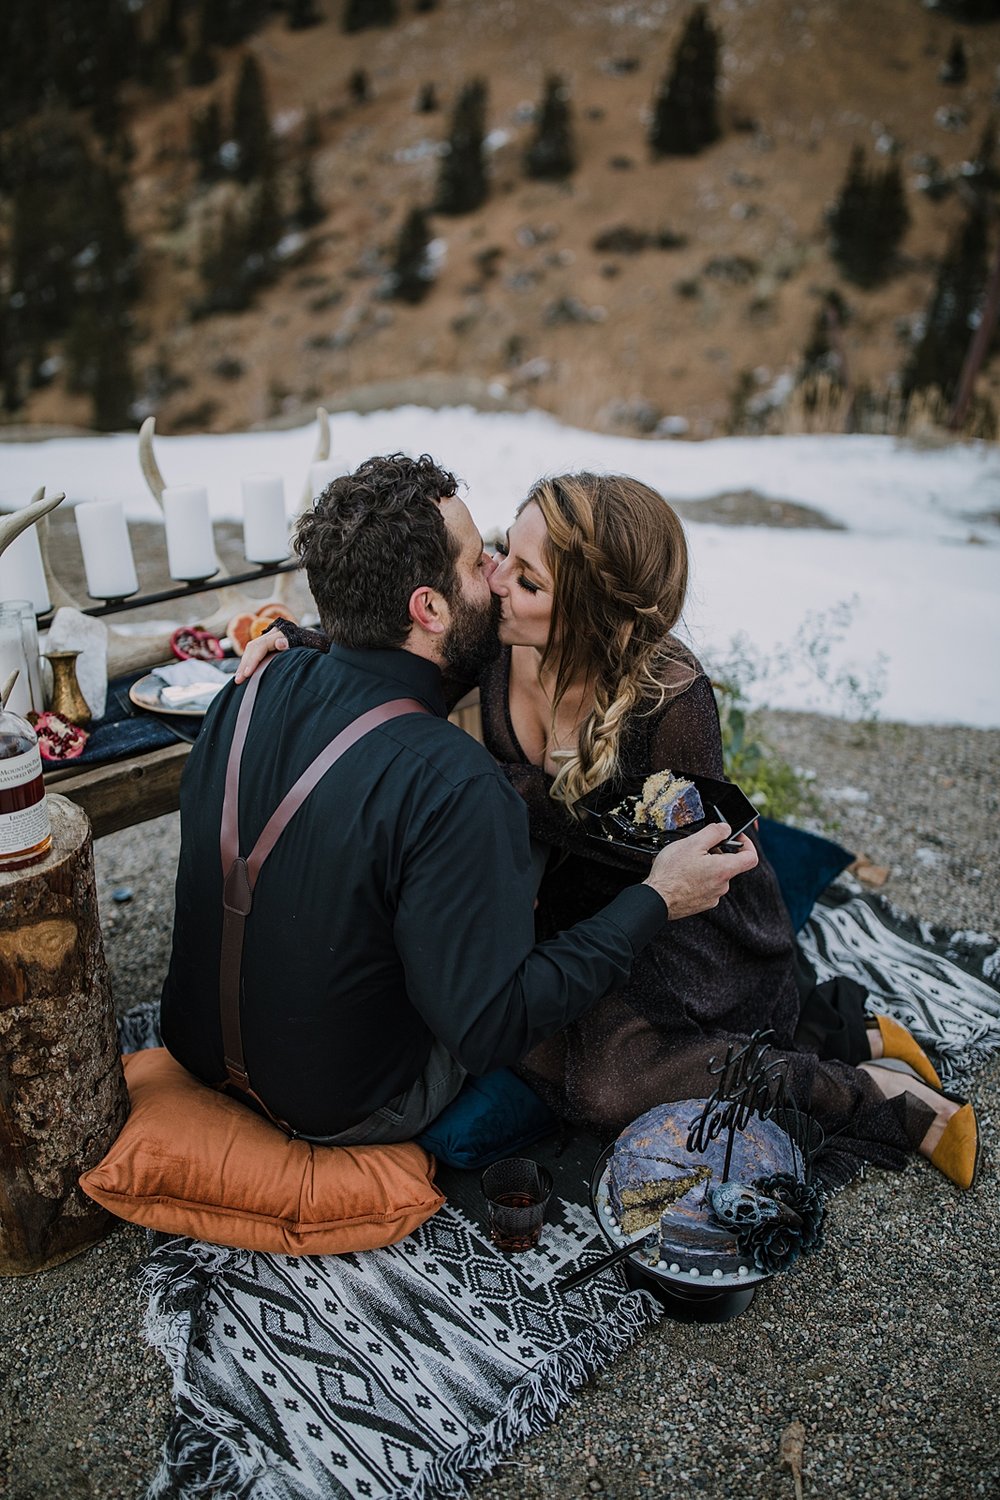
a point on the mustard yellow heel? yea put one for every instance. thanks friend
(957, 1152)
(898, 1043)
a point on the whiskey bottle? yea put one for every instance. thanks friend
(25, 831)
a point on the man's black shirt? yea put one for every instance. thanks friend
(396, 907)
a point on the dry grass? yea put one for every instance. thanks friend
(803, 82)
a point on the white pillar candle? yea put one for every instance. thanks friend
(190, 543)
(320, 474)
(265, 529)
(107, 551)
(21, 573)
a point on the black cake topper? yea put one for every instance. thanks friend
(749, 1084)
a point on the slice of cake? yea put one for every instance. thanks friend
(652, 1175)
(667, 802)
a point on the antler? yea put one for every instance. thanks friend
(320, 456)
(147, 461)
(37, 507)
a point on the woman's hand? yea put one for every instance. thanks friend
(258, 651)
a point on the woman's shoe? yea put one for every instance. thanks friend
(898, 1043)
(959, 1147)
(957, 1152)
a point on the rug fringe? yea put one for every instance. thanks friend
(205, 1453)
(139, 1027)
(536, 1401)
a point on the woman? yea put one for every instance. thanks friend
(592, 684)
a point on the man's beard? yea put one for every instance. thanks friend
(473, 640)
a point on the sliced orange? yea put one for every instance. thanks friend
(275, 611)
(238, 630)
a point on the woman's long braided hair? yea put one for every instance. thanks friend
(619, 563)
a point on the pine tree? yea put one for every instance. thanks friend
(955, 303)
(360, 14)
(170, 33)
(410, 278)
(823, 353)
(982, 171)
(206, 140)
(302, 14)
(955, 68)
(263, 223)
(114, 384)
(972, 10)
(868, 220)
(251, 128)
(308, 209)
(11, 360)
(359, 87)
(312, 135)
(551, 155)
(225, 276)
(225, 23)
(201, 64)
(685, 112)
(462, 180)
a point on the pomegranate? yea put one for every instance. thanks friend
(57, 739)
(190, 643)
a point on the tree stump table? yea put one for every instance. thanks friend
(63, 1098)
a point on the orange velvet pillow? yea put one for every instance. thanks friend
(192, 1161)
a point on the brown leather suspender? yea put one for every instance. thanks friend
(239, 874)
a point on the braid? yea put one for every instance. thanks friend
(619, 563)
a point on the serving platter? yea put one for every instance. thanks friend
(146, 693)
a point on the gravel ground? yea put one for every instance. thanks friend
(885, 1345)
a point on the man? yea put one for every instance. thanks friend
(390, 949)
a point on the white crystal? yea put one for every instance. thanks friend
(716, 1272)
(694, 1271)
(674, 1267)
(743, 1271)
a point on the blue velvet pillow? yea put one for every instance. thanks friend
(804, 863)
(493, 1116)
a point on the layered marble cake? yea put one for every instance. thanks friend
(653, 1178)
(667, 802)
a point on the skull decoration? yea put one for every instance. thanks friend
(741, 1207)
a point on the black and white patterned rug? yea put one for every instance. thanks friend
(404, 1373)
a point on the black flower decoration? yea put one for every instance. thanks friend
(805, 1198)
(772, 1247)
(775, 1243)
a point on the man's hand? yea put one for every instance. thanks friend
(690, 878)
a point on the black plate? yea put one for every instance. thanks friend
(723, 802)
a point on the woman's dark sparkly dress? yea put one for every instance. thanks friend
(706, 981)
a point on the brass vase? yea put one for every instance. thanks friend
(67, 699)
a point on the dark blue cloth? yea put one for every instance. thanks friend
(126, 730)
(804, 863)
(493, 1116)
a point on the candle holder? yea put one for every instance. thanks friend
(185, 590)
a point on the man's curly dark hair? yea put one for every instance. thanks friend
(373, 537)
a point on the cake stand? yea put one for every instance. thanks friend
(686, 1299)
